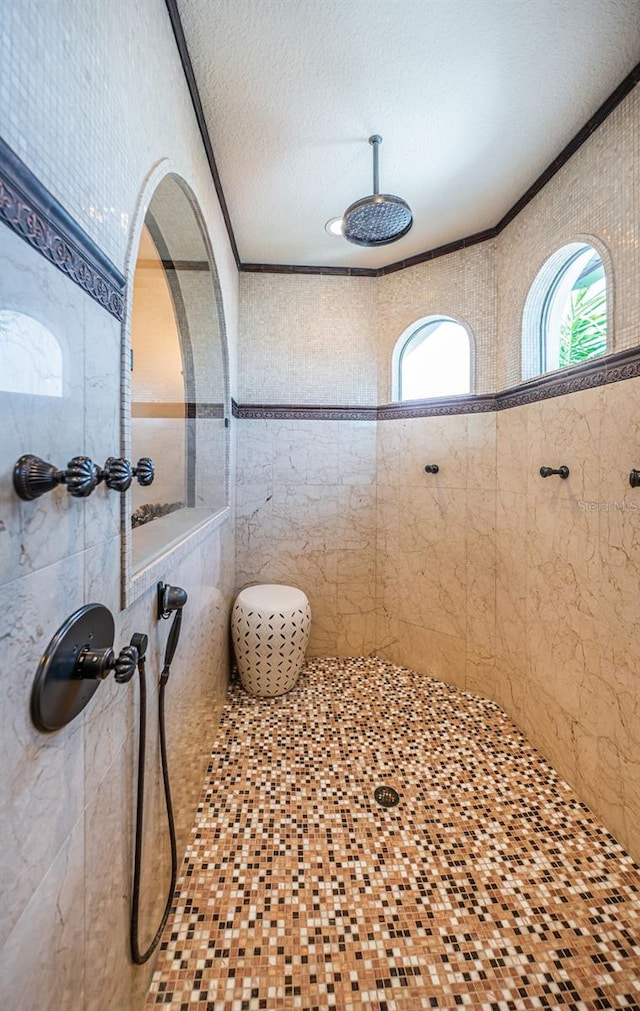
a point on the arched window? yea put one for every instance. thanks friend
(432, 359)
(565, 315)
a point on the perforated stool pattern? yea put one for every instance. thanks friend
(270, 627)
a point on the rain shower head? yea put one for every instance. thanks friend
(380, 218)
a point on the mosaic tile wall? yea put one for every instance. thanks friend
(307, 340)
(461, 285)
(93, 102)
(596, 194)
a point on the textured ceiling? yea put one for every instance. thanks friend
(473, 99)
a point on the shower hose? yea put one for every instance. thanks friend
(140, 957)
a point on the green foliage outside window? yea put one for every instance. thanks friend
(583, 331)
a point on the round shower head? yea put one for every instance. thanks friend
(378, 219)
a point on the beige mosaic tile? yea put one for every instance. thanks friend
(489, 886)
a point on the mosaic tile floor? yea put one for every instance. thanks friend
(488, 886)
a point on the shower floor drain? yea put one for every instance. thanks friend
(386, 796)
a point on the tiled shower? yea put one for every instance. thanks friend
(484, 576)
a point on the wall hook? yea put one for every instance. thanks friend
(562, 472)
(431, 468)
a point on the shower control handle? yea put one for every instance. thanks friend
(117, 474)
(634, 478)
(97, 664)
(125, 665)
(81, 476)
(144, 471)
(431, 468)
(33, 477)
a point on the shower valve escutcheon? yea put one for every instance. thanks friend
(79, 657)
(562, 472)
(33, 477)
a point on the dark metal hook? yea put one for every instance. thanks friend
(562, 472)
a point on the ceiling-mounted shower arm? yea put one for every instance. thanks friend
(376, 141)
(379, 218)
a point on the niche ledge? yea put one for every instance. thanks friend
(179, 533)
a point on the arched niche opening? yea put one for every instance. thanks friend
(178, 381)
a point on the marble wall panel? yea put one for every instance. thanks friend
(306, 453)
(111, 979)
(566, 606)
(436, 545)
(306, 515)
(255, 450)
(511, 579)
(615, 509)
(357, 452)
(430, 652)
(42, 785)
(480, 554)
(102, 428)
(512, 463)
(42, 960)
(40, 532)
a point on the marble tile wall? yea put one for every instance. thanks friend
(306, 515)
(68, 77)
(566, 600)
(436, 553)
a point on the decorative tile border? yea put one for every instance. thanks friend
(438, 408)
(306, 412)
(599, 372)
(38, 218)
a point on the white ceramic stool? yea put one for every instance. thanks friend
(270, 627)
